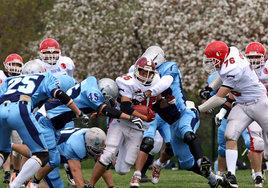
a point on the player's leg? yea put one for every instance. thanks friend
(53, 179)
(238, 120)
(26, 125)
(49, 133)
(158, 142)
(113, 140)
(16, 157)
(257, 147)
(221, 148)
(146, 146)
(6, 168)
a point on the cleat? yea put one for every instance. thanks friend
(6, 177)
(135, 181)
(205, 166)
(32, 185)
(258, 181)
(69, 174)
(219, 181)
(145, 179)
(156, 173)
(231, 180)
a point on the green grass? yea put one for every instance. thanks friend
(168, 179)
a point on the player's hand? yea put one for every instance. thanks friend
(219, 116)
(137, 121)
(84, 118)
(139, 97)
(205, 93)
(150, 115)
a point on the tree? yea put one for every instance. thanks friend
(21, 22)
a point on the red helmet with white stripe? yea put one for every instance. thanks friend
(215, 54)
(50, 51)
(256, 54)
(13, 64)
(144, 70)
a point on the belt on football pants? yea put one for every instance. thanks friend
(23, 98)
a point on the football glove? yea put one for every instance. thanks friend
(137, 121)
(139, 97)
(84, 118)
(219, 116)
(205, 93)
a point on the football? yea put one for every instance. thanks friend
(144, 110)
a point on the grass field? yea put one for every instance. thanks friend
(168, 179)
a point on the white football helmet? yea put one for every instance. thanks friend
(94, 139)
(109, 90)
(156, 54)
(32, 67)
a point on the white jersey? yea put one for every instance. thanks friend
(237, 74)
(64, 65)
(3, 77)
(263, 74)
(128, 86)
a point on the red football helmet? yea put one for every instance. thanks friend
(144, 71)
(13, 64)
(50, 51)
(215, 54)
(256, 54)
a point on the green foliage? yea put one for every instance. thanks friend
(21, 22)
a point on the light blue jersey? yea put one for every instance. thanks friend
(86, 95)
(71, 145)
(37, 86)
(19, 95)
(171, 68)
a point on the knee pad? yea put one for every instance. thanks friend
(169, 150)
(189, 137)
(54, 157)
(42, 157)
(106, 157)
(4, 155)
(147, 144)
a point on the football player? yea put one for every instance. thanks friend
(184, 119)
(74, 145)
(239, 78)
(19, 95)
(123, 136)
(13, 66)
(90, 96)
(252, 135)
(52, 60)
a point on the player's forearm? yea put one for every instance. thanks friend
(216, 83)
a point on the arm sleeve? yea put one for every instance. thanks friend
(162, 85)
(51, 83)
